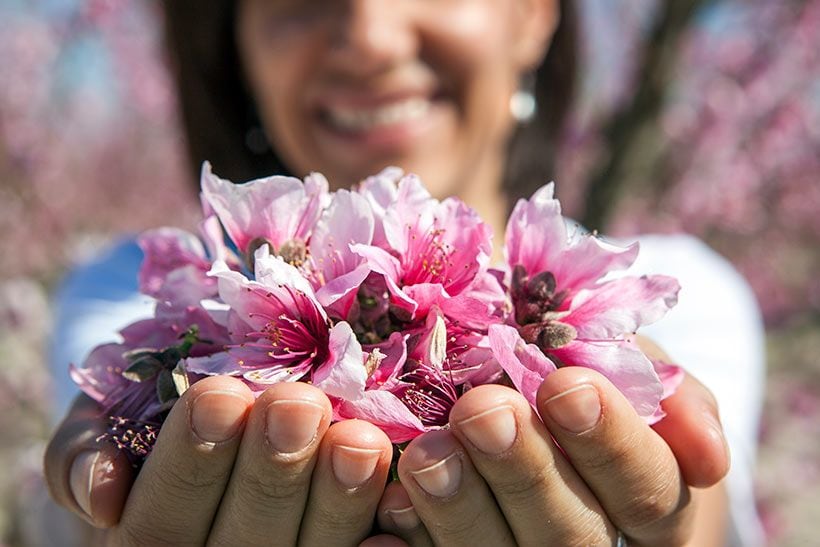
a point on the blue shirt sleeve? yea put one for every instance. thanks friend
(91, 304)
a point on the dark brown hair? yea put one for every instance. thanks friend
(219, 116)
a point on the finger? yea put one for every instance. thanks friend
(629, 467)
(383, 540)
(269, 485)
(354, 460)
(692, 430)
(543, 499)
(87, 476)
(177, 492)
(448, 494)
(397, 516)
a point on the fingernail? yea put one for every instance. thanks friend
(292, 425)
(404, 519)
(577, 410)
(441, 479)
(354, 466)
(217, 416)
(492, 431)
(81, 478)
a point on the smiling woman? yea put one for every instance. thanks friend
(348, 88)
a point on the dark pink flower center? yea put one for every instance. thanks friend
(295, 338)
(430, 395)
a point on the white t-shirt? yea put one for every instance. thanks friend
(715, 332)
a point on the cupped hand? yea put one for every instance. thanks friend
(227, 469)
(498, 476)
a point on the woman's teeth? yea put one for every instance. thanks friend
(363, 119)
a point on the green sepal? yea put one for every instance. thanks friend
(143, 368)
(166, 389)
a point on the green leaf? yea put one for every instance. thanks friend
(143, 368)
(138, 353)
(166, 390)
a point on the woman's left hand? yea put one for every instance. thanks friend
(496, 477)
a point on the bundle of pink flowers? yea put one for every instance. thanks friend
(383, 297)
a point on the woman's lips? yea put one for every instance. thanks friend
(380, 125)
(361, 119)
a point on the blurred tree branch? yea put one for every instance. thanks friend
(631, 133)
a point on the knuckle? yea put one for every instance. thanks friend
(130, 533)
(191, 479)
(654, 506)
(526, 484)
(342, 520)
(451, 530)
(274, 490)
(616, 453)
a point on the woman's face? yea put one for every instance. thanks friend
(348, 87)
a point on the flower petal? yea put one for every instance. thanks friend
(524, 363)
(621, 306)
(343, 375)
(383, 409)
(276, 208)
(536, 232)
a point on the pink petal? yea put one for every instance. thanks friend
(233, 291)
(276, 208)
(413, 206)
(338, 295)
(621, 306)
(524, 363)
(272, 271)
(101, 373)
(425, 296)
(343, 375)
(212, 365)
(394, 350)
(671, 376)
(380, 261)
(468, 311)
(385, 410)
(589, 259)
(536, 232)
(165, 250)
(380, 191)
(348, 220)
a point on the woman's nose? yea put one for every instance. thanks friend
(373, 34)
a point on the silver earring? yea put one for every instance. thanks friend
(523, 105)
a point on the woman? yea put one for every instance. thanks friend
(347, 88)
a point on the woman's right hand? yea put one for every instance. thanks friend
(227, 469)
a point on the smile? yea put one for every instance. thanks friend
(359, 119)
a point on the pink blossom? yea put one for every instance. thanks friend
(335, 271)
(562, 306)
(166, 250)
(417, 383)
(537, 239)
(280, 211)
(281, 333)
(434, 250)
(176, 263)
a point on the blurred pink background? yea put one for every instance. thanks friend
(723, 141)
